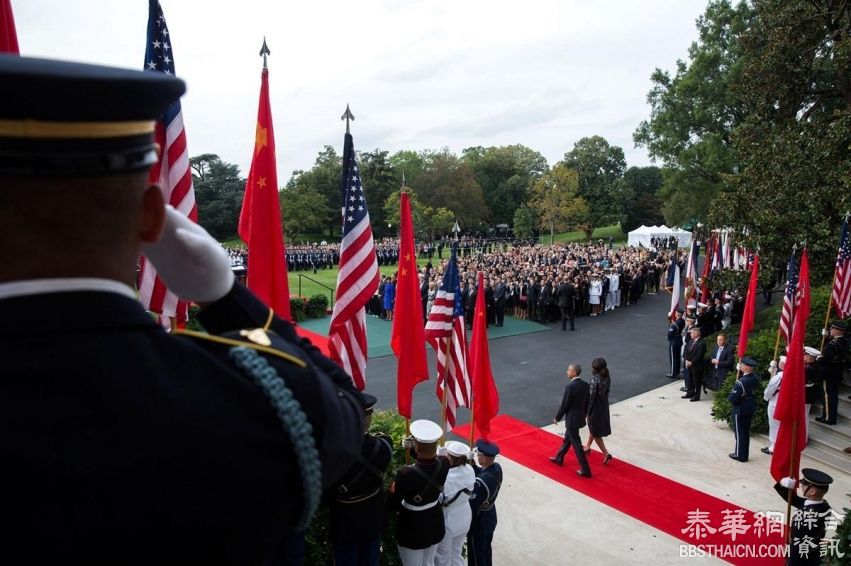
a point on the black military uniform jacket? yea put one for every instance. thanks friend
(124, 444)
(417, 494)
(832, 360)
(810, 520)
(486, 489)
(358, 508)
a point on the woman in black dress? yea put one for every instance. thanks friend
(599, 425)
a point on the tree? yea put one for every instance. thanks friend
(303, 211)
(447, 182)
(379, 180)
(794, 143)
(640, 185)
(524, 222)
(324, 177)
(599, 166)
(505, 174)
(555, 200)
(218, 191)
(429, 222)
(694, 113)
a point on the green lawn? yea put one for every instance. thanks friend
(312, 284)
(603, 232)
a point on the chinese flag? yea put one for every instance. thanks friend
(407, 338)
(790, 409)
(485, 395)
(8, 35)
(750, 308)
(260, 218)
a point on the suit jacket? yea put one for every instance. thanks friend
(124, 441)
(695, 353)
(574, 404)
(725, 362)
(566, 294)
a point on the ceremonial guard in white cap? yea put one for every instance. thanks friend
(809, 523)
(483, 504)
(456, 507)
(121, 443)
(744, 405)
(358, 509)
(417, 494)
(812, 383)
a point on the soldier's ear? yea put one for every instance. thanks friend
(152, 215)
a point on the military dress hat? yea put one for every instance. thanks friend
(750, 362)
(701, 305)
(487, 448)
(369, 402)
(839, 325)
(425, 432)
(810, 351)
(457, 448)
(72, 119)
(816, 478)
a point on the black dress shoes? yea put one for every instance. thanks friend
(693, 399)
(582, 474)
(823, 420)
(686, 397)
(668, 375)
(736, 458)
(556, 461)
(683, 389)
(766, 451)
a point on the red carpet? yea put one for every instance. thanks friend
(650, 498)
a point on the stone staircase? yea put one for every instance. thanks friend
(827, 443)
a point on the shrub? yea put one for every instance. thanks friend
(842, 553)
(317, 305)
(317, 543)
(297, 309)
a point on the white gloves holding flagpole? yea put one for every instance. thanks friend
(190, 261)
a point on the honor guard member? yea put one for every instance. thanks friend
(456, 507)
(358, 508)
(417, 494)
(809, 523)
(812, 382)
(832, 365)
(125, 443)
(675, 342)
(483, 504)
(744, 406)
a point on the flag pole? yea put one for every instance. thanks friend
(472, 415)
(792, 447)
(445, 387)
(776, 345)
(827, 314)
(407, 434)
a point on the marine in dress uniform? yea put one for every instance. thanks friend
(744, 406)
(832, 365)
(483, 504)
(125, 443)
(675, 342)
(809, 522)
(456, 507)
(358, 511)
(812, 382)
(417, 495)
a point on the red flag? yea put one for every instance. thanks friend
(408, 338)
(8, 35)
(485, 396)
(750, 308)
(260, 218)
(790, 403)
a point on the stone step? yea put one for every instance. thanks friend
(837, 460)
(827, 443)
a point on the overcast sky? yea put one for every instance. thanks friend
(418, 74)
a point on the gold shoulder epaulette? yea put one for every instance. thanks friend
(256, 339)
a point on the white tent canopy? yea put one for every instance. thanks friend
(641, 236)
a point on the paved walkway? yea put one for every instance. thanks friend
(542, 522)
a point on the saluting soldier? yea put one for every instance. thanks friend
(417, 494)
(358, 509)
(744, 405)
(483, 504)
(809, 523)
(125, 443)
(832, 364)
(456, 507)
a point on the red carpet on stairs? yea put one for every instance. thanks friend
(650, 498)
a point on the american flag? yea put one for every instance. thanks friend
(445, 328)
(357, 280)
(842, 282)
(787, 315)
(172, 173)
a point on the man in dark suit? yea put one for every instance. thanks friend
(534, 294)
(675, 342)
(574, 409)
(722, 362)
(694, 357)
(566, 296)
(125, 443)
(499, 294)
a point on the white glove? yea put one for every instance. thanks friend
(789, 483)
(408, 442)
(824, 331)
(442, 451)
(471, 456)
(190, 261)
(773, 364)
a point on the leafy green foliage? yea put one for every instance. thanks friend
(298, 309)
(599, 166)
(642, 206)
(429, 222)
(323, 178)
(555, 200)
(842, 555)
(524, 222)
(761, 347)
(304, 210)
(317, 305)
(218, 191)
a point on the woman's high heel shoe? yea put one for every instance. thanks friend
(608, 459)
(587, 450)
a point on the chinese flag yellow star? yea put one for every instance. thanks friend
(261, 182)
(260, 138)
(407, 257)
(404, 271)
